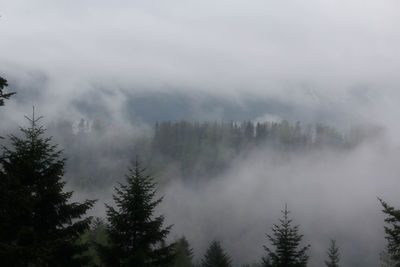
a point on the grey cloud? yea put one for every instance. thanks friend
(224, 47)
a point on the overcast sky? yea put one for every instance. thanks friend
(303, 52)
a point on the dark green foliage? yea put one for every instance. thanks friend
(216, 257)
(252, 265)
(38, 224)
(183, 253)
(96, 235)
(135, 236)
(333, 255)
(392, 231)
(3, 96)
(286, 251)
(385, 259)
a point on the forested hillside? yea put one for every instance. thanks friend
(196, 150)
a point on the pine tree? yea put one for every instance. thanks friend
(333, 255)
(386, 260)
(96, 235)
(38, 224)
(286, 242)
(183, 253)
(135, 236)
(3, 96)
(216, 257)
(392, 231)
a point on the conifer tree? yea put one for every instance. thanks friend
(216, 256)
(386, 260)
(392, 231)
(333, 255)
(3, 96)
(38, 224)
(135, 236)
(183, 253)
(286, 251)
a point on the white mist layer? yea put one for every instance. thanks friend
(332, 195)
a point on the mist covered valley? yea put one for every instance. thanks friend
(229, 181)
(238, 110)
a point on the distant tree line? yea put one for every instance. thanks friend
(197, 150)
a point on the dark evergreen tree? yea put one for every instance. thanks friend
(97, 228)
(216, 256)
(252, 265)
(135, 236)
(285, 240)
(39, 226)
(96, 235)
(392, 231)
(386, 260)
(183, 253)
(3, 96)
(333, 255)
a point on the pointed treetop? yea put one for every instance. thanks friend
(333, 255)
(33, 120)
(285, 248)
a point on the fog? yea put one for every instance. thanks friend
(340, 54)
(312, 61)
(331, 196)
(331, 193)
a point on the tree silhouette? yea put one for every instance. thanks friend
(216, 257)
(39, 226)
(333, 255)
(135, 236)
(4, 96)
(392, 231)
(285, 240)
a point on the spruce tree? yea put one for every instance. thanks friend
(183, 253)
(135, 236)
(333, 255)
(386, 260)
(3, 96)
(285, 240)
(216, 256)
(392, 231)
(39, 226)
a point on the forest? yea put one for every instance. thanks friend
(196, 149)
(43, 225)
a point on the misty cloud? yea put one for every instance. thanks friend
(332, 195)
(309, 53)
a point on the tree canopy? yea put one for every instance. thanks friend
(392, 230)
(4, 96)
(216, 256)
(135, 236)
(183, 253)
(286, 248)
(39, 226)
(333, 255)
